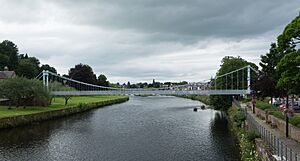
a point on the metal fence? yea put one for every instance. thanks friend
(280, 150)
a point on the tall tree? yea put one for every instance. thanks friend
(28, 68)
(48, 67)
(102, 80)
(289, 67)
(11, 50)
(228, 64)
(270, 60)
(4, 61)
(82, 72)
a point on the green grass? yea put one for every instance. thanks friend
(295, 120)
(263, 105)
(57, 103)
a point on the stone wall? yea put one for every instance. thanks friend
(294, 132)
(263, 151)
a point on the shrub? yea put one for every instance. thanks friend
(263, 105)
(278, 114)
(295, 120)
(23, 91)
(251, 135)
(239, 118)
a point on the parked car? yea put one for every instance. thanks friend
(296, 105)
(278, 101)
(282, 107)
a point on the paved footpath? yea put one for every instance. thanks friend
(291, 143)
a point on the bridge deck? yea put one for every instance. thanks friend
(153, 92)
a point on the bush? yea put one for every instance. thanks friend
(247, 145)
(22, 91)
(223, 102)
(263, 105)
(295, 120)
(278, 114)
(251, 135)
(239, 118)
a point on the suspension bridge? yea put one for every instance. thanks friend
(237, 82)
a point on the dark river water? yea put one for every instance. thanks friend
(144, 128)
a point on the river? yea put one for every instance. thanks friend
(157, 128)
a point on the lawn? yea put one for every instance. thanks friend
(57, 103)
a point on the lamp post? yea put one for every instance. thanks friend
(253, 102)
(286, 114)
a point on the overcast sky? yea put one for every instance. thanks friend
(141, 40)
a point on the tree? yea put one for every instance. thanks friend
(4, 61)
(48, 67)
(270, 60)
(286, 44)
(228, 64)
(28, 67)
(290, 37)
(102, 80)
(83, 72)
(11, 50)
(265, 86)
(289, 67)
(22, 91)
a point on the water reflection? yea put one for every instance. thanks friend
(222, 138)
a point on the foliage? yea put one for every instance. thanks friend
(20, 91)
(102, 80)
(47, 67)
(289, 67)
(251, 135)
(269, 61)
(280, 64)
(4, 61)
(263, 105)
(221, 101)
(248, 148)
(295, 120)
(245, 100)
(83, 72)
(278, 114)
(28, 67)
(229, 64)
(265, 86)
(239, 118)
(246, 138)
(11, 51)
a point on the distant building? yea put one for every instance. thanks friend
(7, 74)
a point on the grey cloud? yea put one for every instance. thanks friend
(170, 39)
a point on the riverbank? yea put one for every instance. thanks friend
(245, 137)
(202, 98)
(22, 116)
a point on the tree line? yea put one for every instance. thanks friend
(30, 67)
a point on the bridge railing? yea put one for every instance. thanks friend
(75, 87)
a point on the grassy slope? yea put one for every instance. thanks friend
(57, 103)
